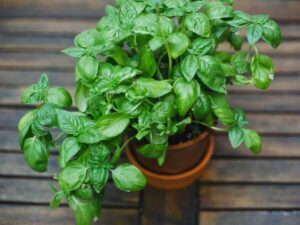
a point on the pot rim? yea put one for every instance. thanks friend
(191, 142)
(179, 176)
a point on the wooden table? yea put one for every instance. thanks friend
(238, 188)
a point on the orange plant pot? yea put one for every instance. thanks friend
(183, 165)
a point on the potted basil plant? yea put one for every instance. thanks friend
(151, 78)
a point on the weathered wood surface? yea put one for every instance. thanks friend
(237, 187)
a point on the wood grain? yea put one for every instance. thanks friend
(249, 217)
(249, 196)
(42, 215)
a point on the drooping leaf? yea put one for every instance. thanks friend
(272, 33)
(253, 140)
(147, 61)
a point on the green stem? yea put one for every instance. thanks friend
(59, 136)
(211, 127)
(117, 154)
(170, 61)
(248, 53)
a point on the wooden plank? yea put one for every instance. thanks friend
(37, 191)
(252, 170)
(42, 215)
(249, 217)
(172, 207)
(259, 101)
(273, 146)
(249, 196)
(70, 27)
(264, 122)
(59, 61)
(94, 8)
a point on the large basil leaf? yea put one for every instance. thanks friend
(68, 149)
(87, 68)
(202, 106)
(81, 96)
(151, 88)
(146, 23)
(253, 140)
(89, 135)
(189, 67)
(272, 33)
(87, 38)
(164, 110)
(147, 60)
(186, 94)
(69, 122)
(111, 125)
(198, 23)
(236, 136)
(211, 74)
(25, 124)
(36, 154)
(98, 178)
(152, 150)
(72, 176)
(202, 46)
(178, 44)
(129, 178)
(59, 96)
(218, 10)
(262, 70)
(254, 33)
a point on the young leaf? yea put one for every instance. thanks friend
(272, 33)
(262, 70)
(236, 136)
(68, 149)
(198, 23)
(59, 96)
(254, 33)
(186, 94)
(36, 154)
(129, 178)
(211, 74)
(36, 92)
(111, 125)
(253, 140)
(147, 61)
(178, 44)
(189, 67)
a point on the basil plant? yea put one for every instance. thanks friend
(151, 71)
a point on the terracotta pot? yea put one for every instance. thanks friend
(183, 165)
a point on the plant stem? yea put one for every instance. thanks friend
(248, 53)
(170, 61)
(211, 127)
(59, 136)
(119, 150)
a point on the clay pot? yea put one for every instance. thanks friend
(184, 162)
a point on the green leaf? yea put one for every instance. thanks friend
(69, 122)
(36, 154)
(178, 44)
(202, 46)
(36, 92)
(272, 33)
(239, 62)
(59, 96)
(98, 153)
(259, 19)
(193, 7)
(202, 106)
(85, 192)
(129, 178)
(218, 10)
(147, 61)
(262, 70)
(254, 33)
(164, 110)
(151, 88)
(211, 73)
(24, 125)
(186, 94)
(81, 96)
(119, 55)
(87, 38)
(72, 176)
(236, 41)
(75, 52)
(236, 136)
(189, 67)
(98, 178)
(253, 140)
(55, 201)
(89, 135)
(112, 125)
(155, 43)
(198, 23)
(87, 68)
(152, 150)
(146, 23)
(239, 19)
(68, 149)
(175, 3)
(46, 115)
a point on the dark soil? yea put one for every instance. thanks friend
(190, 132)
